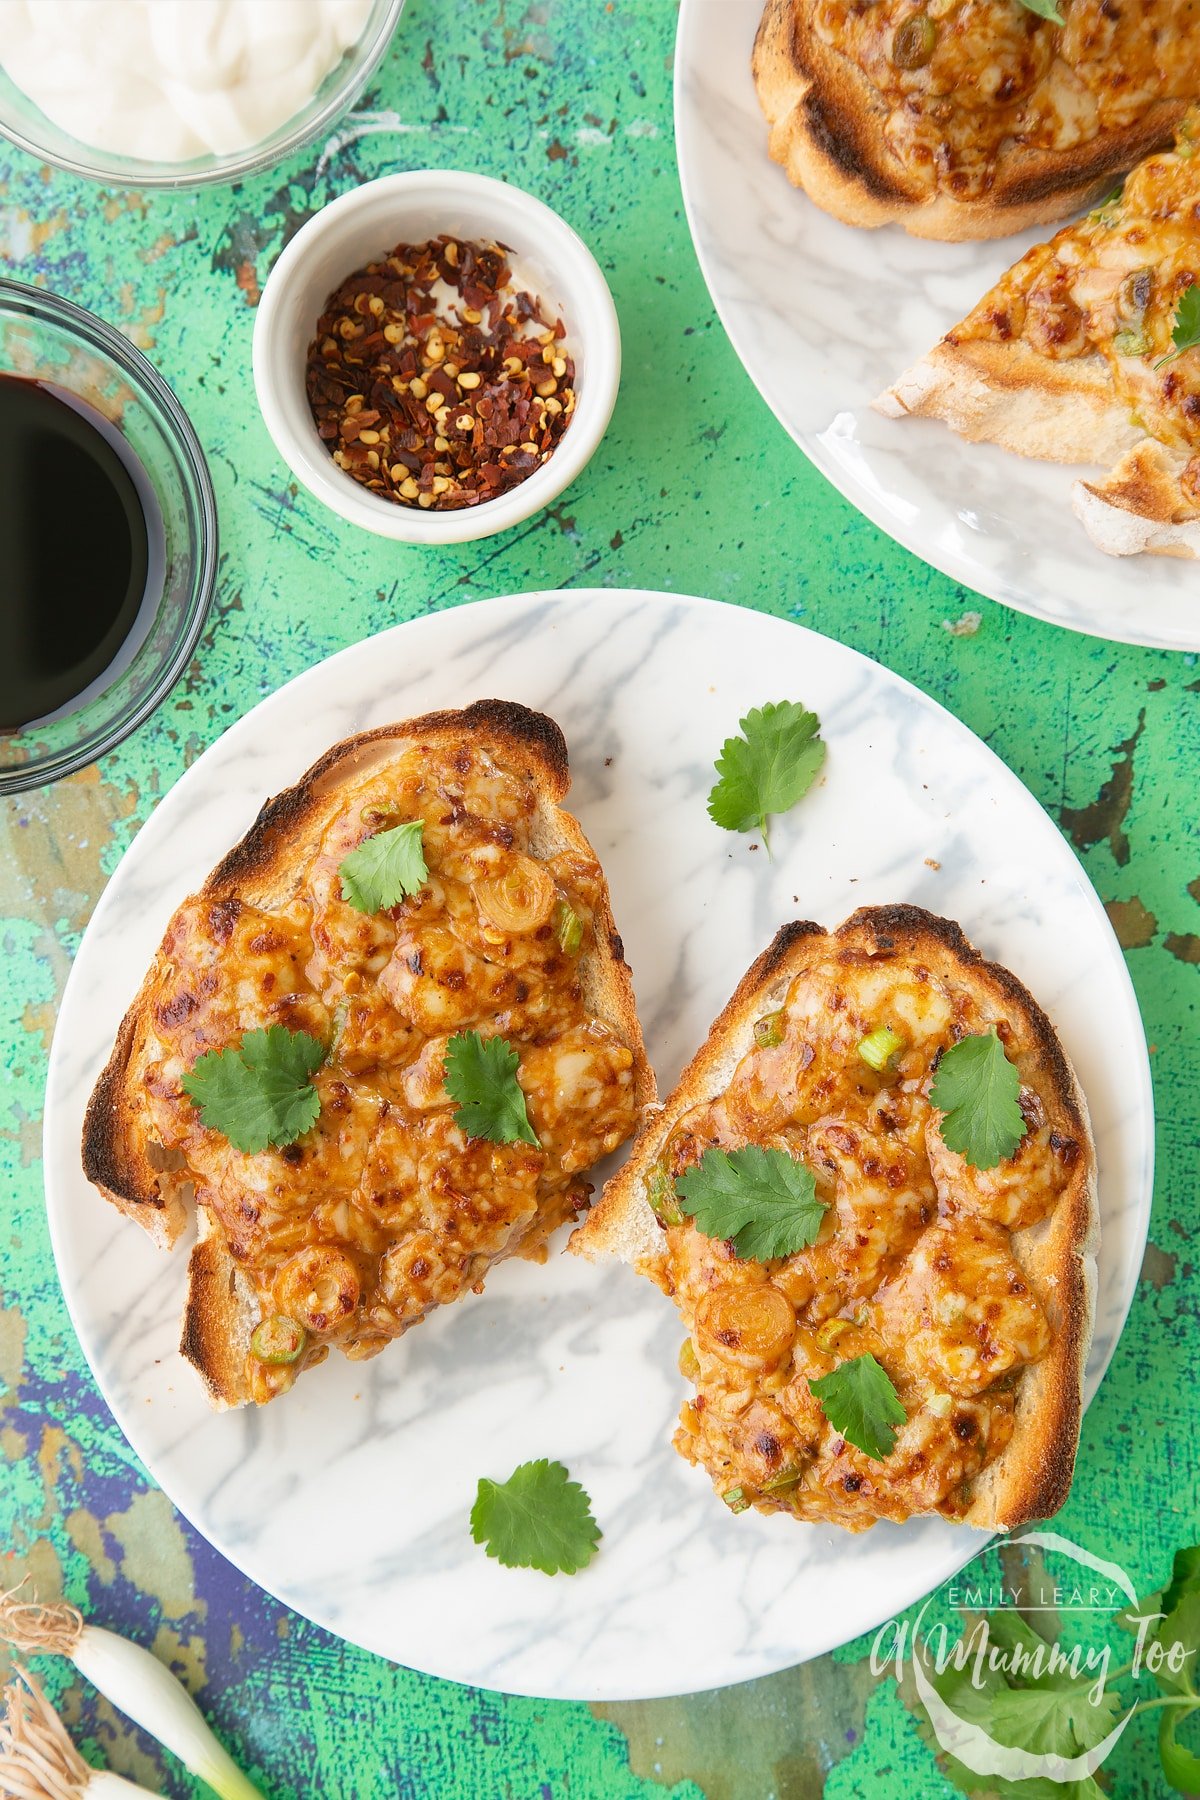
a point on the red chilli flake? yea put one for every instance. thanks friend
(436, 402)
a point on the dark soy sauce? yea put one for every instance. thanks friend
(74, 549)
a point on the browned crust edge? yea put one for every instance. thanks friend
(217, 1305)
(1032, 1477)
(827, 131)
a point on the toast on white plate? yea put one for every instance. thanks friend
(959, 1296)
(969, 118)
(1081, 354)
(417, 896)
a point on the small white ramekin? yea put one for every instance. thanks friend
(361, 227)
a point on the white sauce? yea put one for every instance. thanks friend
(169, 80)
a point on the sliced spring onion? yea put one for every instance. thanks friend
(568, 929)
(878, 1048)
(829, 1333)
(1131, 343)
(768, 1031)
(787, 1478)
(689, 1362)
(735, 1499)
(664, 1202)
(939, 1404)
(278, 1340)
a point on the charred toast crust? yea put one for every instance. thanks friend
(218, 1311)
(827, 131)
(1032, 1477)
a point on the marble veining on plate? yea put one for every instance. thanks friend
(349, 1497)
(825, 317)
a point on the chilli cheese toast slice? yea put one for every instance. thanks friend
(959, 1296)
(969, 118)
(379, 1195)
(1072, 357)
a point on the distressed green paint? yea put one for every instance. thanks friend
(695, 488)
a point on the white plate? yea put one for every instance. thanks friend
(825, 317)
(349, 1498)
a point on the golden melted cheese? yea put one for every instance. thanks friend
(914, 1262)
(1111, 285)
(991, 75)
(385, 1208)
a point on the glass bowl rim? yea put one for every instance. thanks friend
(17, 298)
(136, 172)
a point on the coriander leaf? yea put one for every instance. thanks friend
(1045, 9)
(538, 1519)
(1179, 1631)
(768, 768)
(764, 1200)
(481, 1075)
(1185, 334)
(259, 1092)
(1052, 1721)
(1181, 1766)
(978, 1091)
(385, 868)
(859, 1400)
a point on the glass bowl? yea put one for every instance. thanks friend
(55, 342)
(25, 125)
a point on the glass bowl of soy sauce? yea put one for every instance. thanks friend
(108, 538)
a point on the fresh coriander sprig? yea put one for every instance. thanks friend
(1185, 333)
(385, 868)
(978, 1092)
(768, 769)
(763, 1200)
(260, 1091)
(538, 1519)
(481, 1075)
(859, 1400)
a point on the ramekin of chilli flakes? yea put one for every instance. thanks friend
(434, 381)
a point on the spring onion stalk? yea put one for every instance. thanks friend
(768, 1031)
(735, 1499)
(38, 1761)
(878, 1049)
(134, 1680)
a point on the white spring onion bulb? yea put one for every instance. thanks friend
(136, 1683)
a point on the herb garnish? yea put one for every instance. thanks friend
(1185, 334)
(1045, 9)
(859, 1400)
(538, 1519)
(385, 868)
(763, 1200)
(481, 1075)
(259, 1092)
(978, 1090)
(766, 770)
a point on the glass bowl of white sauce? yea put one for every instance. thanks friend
(182, 93)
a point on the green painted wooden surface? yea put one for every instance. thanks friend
(695, 488)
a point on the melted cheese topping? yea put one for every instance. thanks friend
(385, 1208)
(964, 81)
(914, 1263)
(1111, 285)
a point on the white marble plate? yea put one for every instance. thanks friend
(349, 1498)
(825, 316)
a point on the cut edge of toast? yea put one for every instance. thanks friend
(264, 868)
(1031, 1478)
(827, 131)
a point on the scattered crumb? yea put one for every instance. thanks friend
(931, 862)
(608, 762)
(967, 626)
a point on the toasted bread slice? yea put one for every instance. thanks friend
(385, 1208)
(974, 1289)
(1069, 358)
(975, 124)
